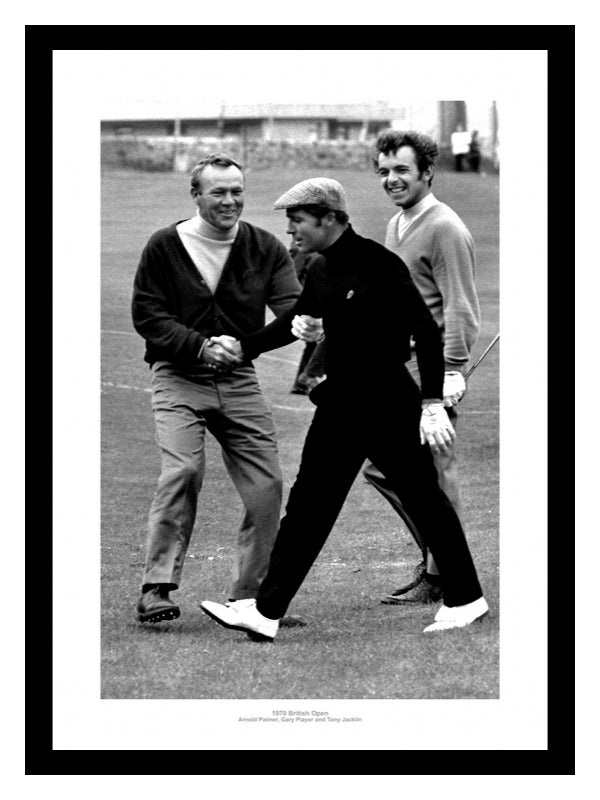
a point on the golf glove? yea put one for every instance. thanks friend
(436, 429)
(454, 388)
(308, 328)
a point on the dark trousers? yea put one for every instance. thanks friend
(474, 163)
(342, 435)
(312, 363)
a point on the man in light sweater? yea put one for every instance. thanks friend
(199, 280)
(439, 251)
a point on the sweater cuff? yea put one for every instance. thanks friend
(248, 351)
(461, 367)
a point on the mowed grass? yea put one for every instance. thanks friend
(353, 646)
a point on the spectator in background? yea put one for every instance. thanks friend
(197, 280)
(459, 142)
(439, 252)
(474, 155)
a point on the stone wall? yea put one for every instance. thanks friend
(167, 154)
(161, 153)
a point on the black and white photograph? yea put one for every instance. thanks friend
(209, 421)
(300, 463)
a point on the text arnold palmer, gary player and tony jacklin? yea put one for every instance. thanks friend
(299, 716)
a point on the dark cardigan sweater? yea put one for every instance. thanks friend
(174, 309)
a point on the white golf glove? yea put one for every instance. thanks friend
(436, 429)
(307, 328)
(454, 388)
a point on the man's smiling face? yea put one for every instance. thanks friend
(401, 179)
(221, 196)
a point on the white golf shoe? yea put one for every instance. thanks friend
(242, 615)
(449, 617)
(239, 604)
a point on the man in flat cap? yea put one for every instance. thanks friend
(370, 308)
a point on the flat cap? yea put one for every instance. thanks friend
(315, 192)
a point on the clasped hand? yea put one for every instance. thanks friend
(222, 353)
(307, 328)
(436, 429)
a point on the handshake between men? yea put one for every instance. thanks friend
(224, 352)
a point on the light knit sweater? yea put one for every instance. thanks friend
(439, 252)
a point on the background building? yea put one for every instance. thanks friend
(269, 122)
(247, 127)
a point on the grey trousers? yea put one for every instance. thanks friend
(232, 408)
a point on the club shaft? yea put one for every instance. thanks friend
(482, 356)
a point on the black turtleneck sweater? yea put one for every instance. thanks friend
(370, 309)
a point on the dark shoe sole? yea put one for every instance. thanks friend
(256, 637)
(159, 616)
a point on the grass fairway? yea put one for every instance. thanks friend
(354, 647)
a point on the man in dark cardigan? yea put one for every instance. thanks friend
(198, 280)
(370, 308)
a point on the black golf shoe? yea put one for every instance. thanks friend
(423, 594)
(155, 605)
